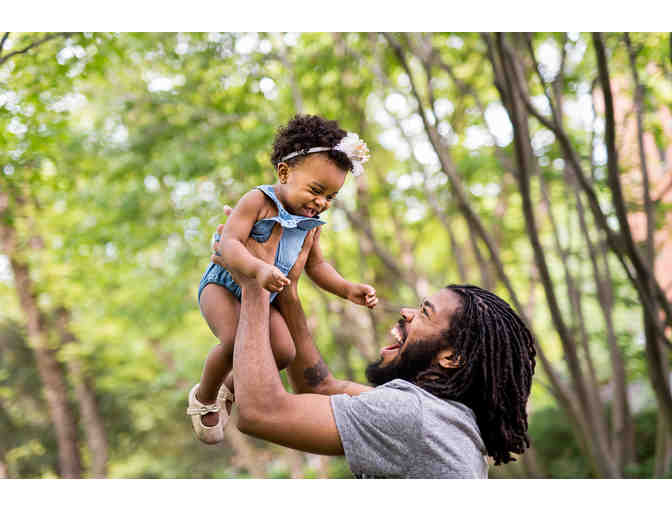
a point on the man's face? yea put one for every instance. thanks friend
(417, 339)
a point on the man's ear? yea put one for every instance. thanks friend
(446, 360)
(283, 171)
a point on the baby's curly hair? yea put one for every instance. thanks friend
(305, 132)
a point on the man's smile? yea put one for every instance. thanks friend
(399, 334)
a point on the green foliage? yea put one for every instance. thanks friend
(118, 151)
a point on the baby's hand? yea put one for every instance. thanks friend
(363, 294)
(272, 279)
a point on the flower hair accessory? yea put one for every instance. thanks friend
(355, 148)
(351, 145)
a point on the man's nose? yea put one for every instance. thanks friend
(407, 314)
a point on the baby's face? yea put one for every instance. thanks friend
(311, 185)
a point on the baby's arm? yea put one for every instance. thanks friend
(234, 236)
(327, 278)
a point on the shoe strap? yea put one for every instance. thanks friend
(226, 395)
(203, 409)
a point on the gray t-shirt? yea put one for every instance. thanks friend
(398, 430)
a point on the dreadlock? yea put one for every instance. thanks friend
(495, 353)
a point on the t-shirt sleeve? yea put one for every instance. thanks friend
(378, 429)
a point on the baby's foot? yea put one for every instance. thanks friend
(202, 414)
(208, 419)
(225, 399)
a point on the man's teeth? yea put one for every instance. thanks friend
(397, 335)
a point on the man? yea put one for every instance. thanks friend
(450, 390)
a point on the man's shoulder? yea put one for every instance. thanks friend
(399, 429)
(393, 401)
(394, 390)
(401, 397)
(431, 402)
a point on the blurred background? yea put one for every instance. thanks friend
(537, 165)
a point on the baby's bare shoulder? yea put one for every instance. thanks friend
(266, 208)
(255, 204)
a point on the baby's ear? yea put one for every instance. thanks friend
(283, 171)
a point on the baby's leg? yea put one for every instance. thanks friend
(220, 310)
(282, 344)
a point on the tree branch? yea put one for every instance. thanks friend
(639, 110)
(530, 48)
(645, 274)
(449, 169)
(386, 257)
(31, 45)
(523, 152)
(2, 42)
(616, 240)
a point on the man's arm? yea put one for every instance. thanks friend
(265, 410)
(308, 373)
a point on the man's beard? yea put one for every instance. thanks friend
(417, 357)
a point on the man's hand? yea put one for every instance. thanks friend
(362, 294)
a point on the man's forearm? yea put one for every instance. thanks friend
(308, 372)
(256, 377)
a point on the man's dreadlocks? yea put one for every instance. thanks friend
(495, 354)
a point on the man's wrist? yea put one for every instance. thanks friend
(251, 287)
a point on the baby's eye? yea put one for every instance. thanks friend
(315, 191)
(331, 197)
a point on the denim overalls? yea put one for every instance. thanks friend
(294, 230)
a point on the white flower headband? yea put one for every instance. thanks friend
(350, 144)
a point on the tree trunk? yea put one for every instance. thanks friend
(574, 297)
(663, 436)
(52, 376)
(4, 473)
(621, 245)
(92, 422)
(523, 150)
(663, 456)
(531, 464)
(558, 387)
(647, 284)
(51, 373)
(623, 430)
